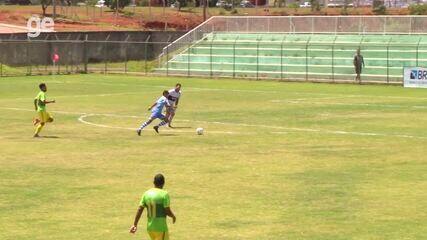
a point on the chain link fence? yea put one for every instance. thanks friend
(21, 58)
(281, 57)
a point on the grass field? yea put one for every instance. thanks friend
(277, 161)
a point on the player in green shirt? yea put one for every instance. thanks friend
(156, 201)
(40, 106)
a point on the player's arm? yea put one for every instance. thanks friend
(176, 102)
(35, 103)
(47, 102)
(137, 217)
(151, 107)
(169, 212)
(363, 61)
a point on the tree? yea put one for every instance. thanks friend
(45, 4)
(379, 7)
(279, 3)
(315, 5)
(182, 3)
(113, 3)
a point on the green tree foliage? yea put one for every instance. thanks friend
(113, 3)
(315, 5)
(45, 4)
(417, 9)
(379, 7)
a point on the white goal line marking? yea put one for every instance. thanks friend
(336, 132)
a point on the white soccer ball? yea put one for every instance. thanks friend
(199, 131)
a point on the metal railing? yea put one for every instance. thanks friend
(309, 60)
(304, 24)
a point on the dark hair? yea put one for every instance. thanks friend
(159, 180)
(165, 92)
(178, 84)
(42, 85)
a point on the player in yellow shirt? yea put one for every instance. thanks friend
(156, 201)
(43, 116)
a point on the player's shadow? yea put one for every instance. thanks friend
(49, 137)
(181, 127)
(167, 135)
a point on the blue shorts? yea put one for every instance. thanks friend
(157, 115)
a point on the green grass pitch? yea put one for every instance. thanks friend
(277, 161)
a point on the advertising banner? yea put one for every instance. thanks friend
(415, 77)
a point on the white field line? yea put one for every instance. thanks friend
(307, 101)
(336, 132)
(315, 130)
(82, 119)
(83, 95)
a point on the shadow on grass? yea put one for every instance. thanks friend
(167, 135)
(49, 137)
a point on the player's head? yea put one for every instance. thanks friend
(43, 87)
(165, 93)
(159, 180)
(177, 87)
(358, 51)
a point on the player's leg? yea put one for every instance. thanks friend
(162, 123)
(169, 115)
(143, 125)
(43, 118)
(358, 72)
(49, 117)
(158, 235)
(38, 129)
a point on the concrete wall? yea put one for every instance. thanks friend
(78, 48)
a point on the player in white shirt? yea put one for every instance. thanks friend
(173, 97)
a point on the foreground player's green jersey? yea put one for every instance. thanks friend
(155, 201)
(41, 97)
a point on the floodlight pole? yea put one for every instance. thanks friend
(204, 9)
(117, 10)
(54, 8)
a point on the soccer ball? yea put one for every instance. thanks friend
(199, 131)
